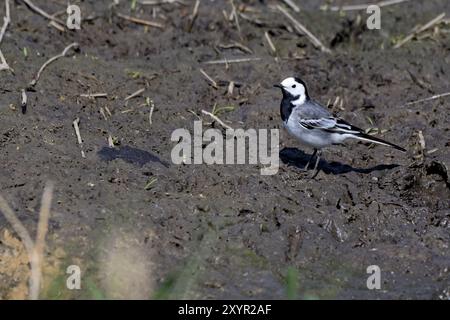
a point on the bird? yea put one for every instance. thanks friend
(313, 125)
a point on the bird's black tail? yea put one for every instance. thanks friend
(366, 137)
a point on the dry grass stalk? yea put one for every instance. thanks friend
(57, 26)
(35, 250)
(292, 5)
(230, 88)
(419, 30)
(110, 142)
(302, 29)
(140, 21)
(94, 95)
(211, 80)
(24, 100)
(38, 252)
(3, 64)
(227, 61)
(363, 6)
(76, 126)
(237, 45)
(160, 2)
(270, 42)
(6, 21)
(437, 96)
(422, 140)
(223, 124)
(134, 94)
(235, 15)
(38, 10)
(150, 115)
(48, 62)
(193, 16)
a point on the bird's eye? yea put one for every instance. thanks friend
(293, 86)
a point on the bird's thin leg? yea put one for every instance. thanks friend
(316, 166)
(309, 160)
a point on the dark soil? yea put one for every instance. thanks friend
(225, 231)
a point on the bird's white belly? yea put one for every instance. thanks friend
(313, 138)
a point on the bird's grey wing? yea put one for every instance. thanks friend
(312, 110)
(313, 115)
(321, 123)
(332, 125)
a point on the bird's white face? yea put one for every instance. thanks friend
(294, 88)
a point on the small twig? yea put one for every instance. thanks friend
(363, 6)
(110, 142)
(442, 95)
(236, 20)
(6, 20)
(24, 101)
(102, 112)
(291, 4)
(192, 111)
(140, 21)
(59, 13)
(57, 26)
(135, 94)
(226, 61)
(418, 81)
(94, 95)
(77, 130)
(38, 10)
(159, 2)
(108, 111)
(150, 184)
(236, 44)
(194, 15)
(63, 54)
(76, 123)
(336, 101)
(3, 64)
(269, 41)
(150, 115)
(420, 30)
(422, 140)
(253, 20)
(211, 80)
(302, 29)
(230, 88)
(223, 124)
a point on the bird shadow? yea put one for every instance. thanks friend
(298, 158)
(131, 155)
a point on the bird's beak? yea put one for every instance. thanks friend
(278, 86)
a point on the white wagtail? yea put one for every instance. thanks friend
(312, 124)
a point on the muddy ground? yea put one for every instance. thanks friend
(139, 226)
